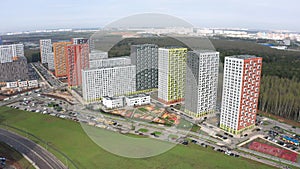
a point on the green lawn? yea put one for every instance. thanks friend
(143, 130)
(143, 109)
(69, 137)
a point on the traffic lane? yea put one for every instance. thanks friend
(37, 154)
(36, 148)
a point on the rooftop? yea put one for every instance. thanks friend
(138, 95)
(243, 56)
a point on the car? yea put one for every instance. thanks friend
(194, 141)
(185, 143)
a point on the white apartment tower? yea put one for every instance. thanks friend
(108, 80)
(241, 86)
(8, 52)
(45, 48)
(171, 74)
(201, 83)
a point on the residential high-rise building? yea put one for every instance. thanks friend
(201, 83)
(145, 57)
(241, 85)
(171, 74)
(97, 55)
(111, 81)
(8, 52)
(14, 70)
(77, 41)
(111, 62)
(77, 59)
(45, 48)
(50, 60)
(60, 59)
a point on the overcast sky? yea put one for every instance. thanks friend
(21, 15)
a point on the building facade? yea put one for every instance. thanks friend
(111, 62)
(50, 60)
(171, 74)
(77, 59)
(145, 57)
(60, 59)
(201, 83)
(111, 81)
(138, 100)
(241, 87)
(77, 41)
(9, 52)
(45, 48)
(97, 55)
(15, 70)
(113, 102)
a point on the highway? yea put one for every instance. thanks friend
(41, 157)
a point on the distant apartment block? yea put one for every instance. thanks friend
(111, 81)
(9, 52)
(45, 48)
(60, 59)
(14, 70)
(145, 57)
(50, 60)
(97, 55)
(111, 62)
(241, 87)
(77, 41)
(77, 59)
(171, 74)
(201, 83)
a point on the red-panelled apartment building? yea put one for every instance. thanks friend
(241, 84)
(77, 59)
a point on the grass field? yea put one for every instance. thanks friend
(69, 137)
(13, 157)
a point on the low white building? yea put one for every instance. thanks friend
(113, 102)
(33, 83)
(22, 84)
(137, 100)
(12, 84)
(30, 83)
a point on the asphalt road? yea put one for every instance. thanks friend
(41, 157)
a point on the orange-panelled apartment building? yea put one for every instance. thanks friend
(77, 59)
(241, 85)
(60, 60)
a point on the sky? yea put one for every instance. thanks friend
(23, 15)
